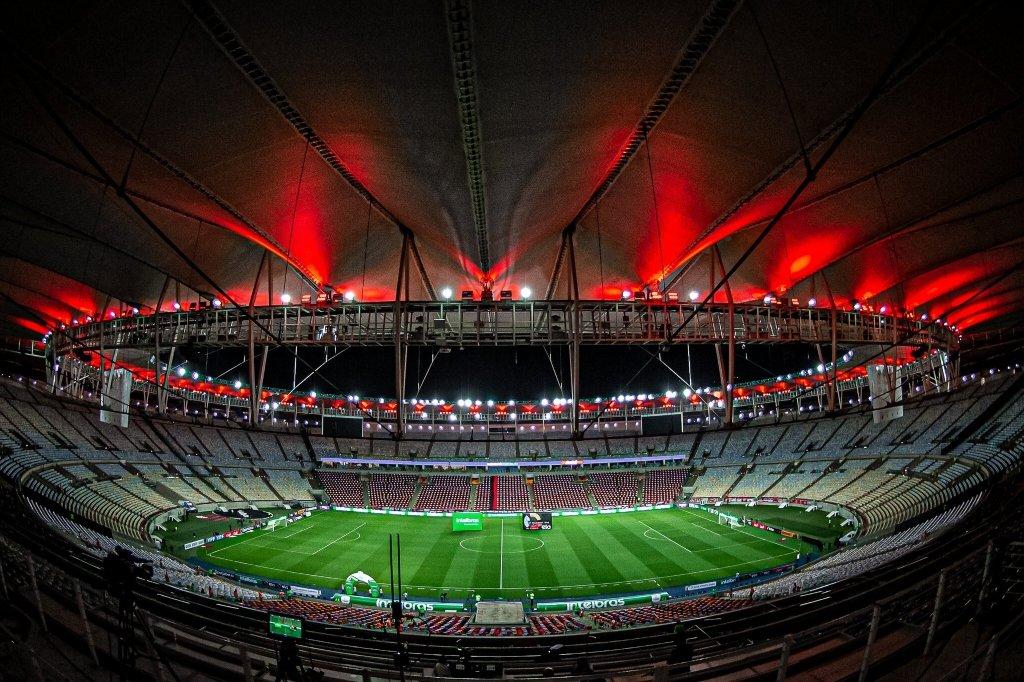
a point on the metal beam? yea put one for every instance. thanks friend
(424, 278)
(556, 271)
(892, 80)
(731, 344)
(500, 323)
(235, 50)
(179, 173)
(812, 173)
(717, 16)
(401, 286)
(254, 397)
(460, 41)
(574, 343)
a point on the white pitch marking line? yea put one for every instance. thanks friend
(340, 537)
(501, 558)
(291, 535)
(665, 537)
(537, 587)
(740, 530)
(255, 535)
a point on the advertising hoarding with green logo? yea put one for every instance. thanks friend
(467, 521)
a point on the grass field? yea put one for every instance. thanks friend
(796, 519)
(580, 556)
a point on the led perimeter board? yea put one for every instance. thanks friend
(462, 521)
(537, 521)
(284, 626)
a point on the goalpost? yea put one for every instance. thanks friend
(729, 520)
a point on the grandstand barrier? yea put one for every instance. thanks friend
(496, 514)
(599, 603)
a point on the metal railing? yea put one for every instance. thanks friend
(497, 323)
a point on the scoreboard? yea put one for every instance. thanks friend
(537, 521)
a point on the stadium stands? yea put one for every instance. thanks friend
(662, 486)
(444, 493)
(345, 489)
(560, 491)
(512, 494)
(391, 491)
(617, 489)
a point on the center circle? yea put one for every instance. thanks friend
(462, 544)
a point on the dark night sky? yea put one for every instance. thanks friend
(503, 373)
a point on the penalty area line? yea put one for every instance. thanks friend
(338, 539)
(665, 537)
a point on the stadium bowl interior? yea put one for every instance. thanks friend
(671, 340)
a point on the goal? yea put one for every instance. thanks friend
(729, 520)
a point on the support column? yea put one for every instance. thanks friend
(400, 287)
(865, 664)
(730, 377)
(787, 646)
(574, 339)
(833, 338)
(985, 575)
(934, 624)
(162, 395)
(254, 397)
(35, 592)
(85, 623)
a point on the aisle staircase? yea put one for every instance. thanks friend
(417, 490)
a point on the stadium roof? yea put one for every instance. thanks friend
(153, 145)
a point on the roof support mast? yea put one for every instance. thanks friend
(727, 370)
(254, 393)
(574, 341)
(401, 350)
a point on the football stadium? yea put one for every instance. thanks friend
(472, 340)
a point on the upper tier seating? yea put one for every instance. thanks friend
(513, 495)
(345, 489)
(391, 491)
(560, 491)
(618, 489)
(444, 493)
(662, 486)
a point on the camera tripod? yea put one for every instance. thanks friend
(290, 667)
(130, 621)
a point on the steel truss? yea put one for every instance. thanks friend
(500, 323)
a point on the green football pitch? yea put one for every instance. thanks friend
(581, 556)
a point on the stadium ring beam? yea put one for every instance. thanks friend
(502, 323)
(440, 324)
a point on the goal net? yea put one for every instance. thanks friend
(729, 520)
